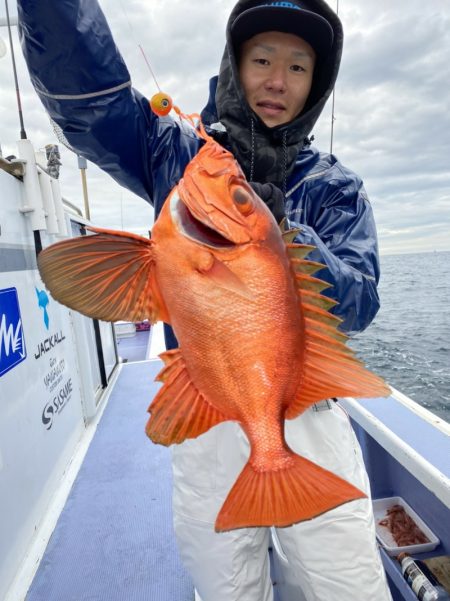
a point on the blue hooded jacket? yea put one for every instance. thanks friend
(85, 86)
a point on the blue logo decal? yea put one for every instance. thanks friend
(12, 343)
(284, 5)
(43, 302)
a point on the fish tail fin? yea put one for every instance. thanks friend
(282, 497)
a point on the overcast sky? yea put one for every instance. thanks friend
(392, 105)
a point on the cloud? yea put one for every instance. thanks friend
(392, 120)
(391, 125)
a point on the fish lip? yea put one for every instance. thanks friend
(193, 228)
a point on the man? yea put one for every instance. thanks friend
(278, 69)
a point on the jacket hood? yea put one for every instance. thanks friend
(268, 154)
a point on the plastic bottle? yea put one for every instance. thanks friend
(421, 580)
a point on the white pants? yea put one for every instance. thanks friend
(329, 558)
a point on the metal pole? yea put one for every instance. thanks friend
(82, 165)
(332, 123)
(23, 135)
(333, 118)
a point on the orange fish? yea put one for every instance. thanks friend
(257, 342)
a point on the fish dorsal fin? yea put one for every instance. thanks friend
(179, 411)
(329, 368)
(107, 276)
(311, 283)
(300, 251)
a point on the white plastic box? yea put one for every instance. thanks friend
(384, 536)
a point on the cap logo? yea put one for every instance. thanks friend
(283, 5)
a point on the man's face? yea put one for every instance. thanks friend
(276, 71)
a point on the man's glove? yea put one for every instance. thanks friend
(273, 198)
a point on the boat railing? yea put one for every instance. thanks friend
(71, 207)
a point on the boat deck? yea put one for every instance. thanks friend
(134, 348)
(114, 539)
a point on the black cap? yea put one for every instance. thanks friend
(287, 17)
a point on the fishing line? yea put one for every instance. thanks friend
(160, 103)
(333, 98)
(149, 66)
(133, 35)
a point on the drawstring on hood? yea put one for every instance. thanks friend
(252, 158)
(268, 154)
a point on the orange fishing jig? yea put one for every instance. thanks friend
(161, 104)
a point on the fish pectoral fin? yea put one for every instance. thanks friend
(223, 277)
(300, 491)
(108, 275)
(179, 411)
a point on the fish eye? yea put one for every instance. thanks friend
(244, 201)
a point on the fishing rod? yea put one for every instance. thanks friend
(333, 118)
(23, 135)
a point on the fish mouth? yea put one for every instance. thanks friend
(193, 228)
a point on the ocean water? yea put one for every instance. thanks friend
(408, 343)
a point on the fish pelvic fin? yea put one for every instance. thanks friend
(107, 276)
(282, 497)
(329, 367)
(179, 411)
(223, 277)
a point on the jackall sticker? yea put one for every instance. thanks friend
(12, 342)
(55, 375)
(48, 344)
(54, 407)
(43, 301)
